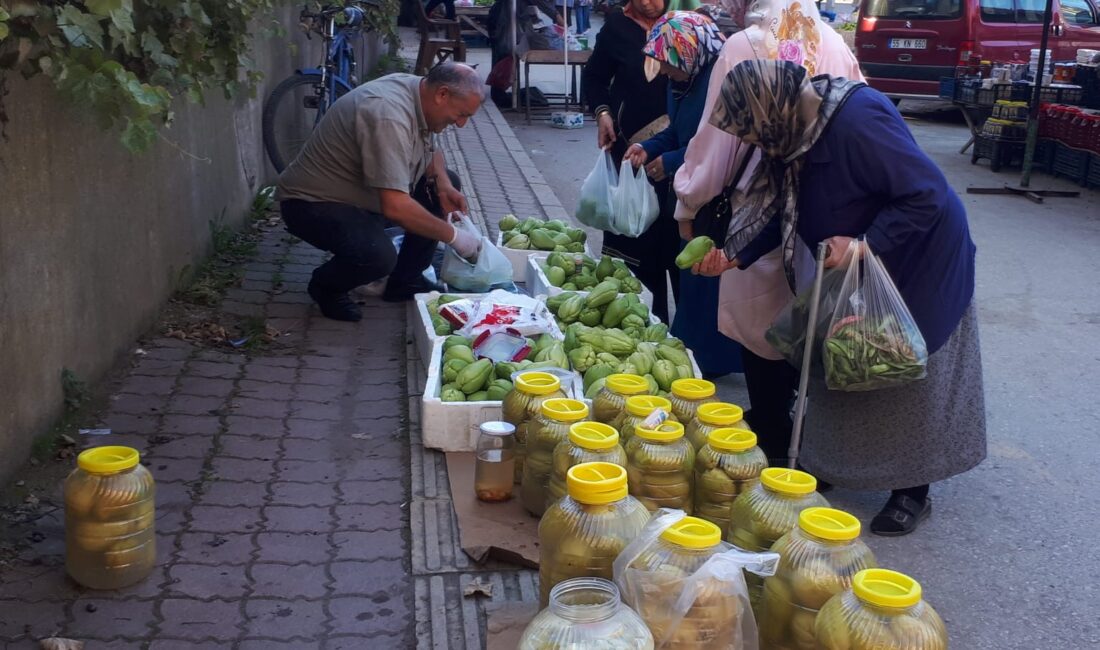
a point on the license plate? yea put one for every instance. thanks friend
(908, 43)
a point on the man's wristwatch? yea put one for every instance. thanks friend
(601, 110)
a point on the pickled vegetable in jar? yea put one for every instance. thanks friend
(589, 442)
(521, 405)
(582, 533)
(110, 541)
(817, 560)
(711, 416)
(609, 404)
(688, 395)
(640, 411)
(494, 467)
(586, 613)
(549, 428)
(726, 466)
(767, 511)
(883, 610)
(660, 464)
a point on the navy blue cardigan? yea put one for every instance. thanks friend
(866, 175)
(684, 115)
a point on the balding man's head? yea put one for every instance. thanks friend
(450, 94)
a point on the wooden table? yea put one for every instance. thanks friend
(475, 18)
(553, 57)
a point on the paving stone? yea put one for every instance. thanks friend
(195, 405)
(276, 361)
(305, 470)
(311, 429)
(185, 446)
(361, 577)
(265, 390)
(378, 392)
(204, 386)
(288, 581)
(110, 618)
(32, 584)
(315, 393)
(253, 426)
(148, 589)
(169, 350)
(372, 469)
(382, 610)
(184, 644)
(260, 408)
(293, 547)
(166, 470)
(298, 310)
(207, 424)
(335, 378)
(261, 643)
(35, 620)
(138, 404)
(158, 367)
(137, 424)
(216, 548)
(254, 446)
(170, 521)
(303, 449)
(140, 441)
(369, 518)
(144, 385)
(233, 493)
(214, 369)
(222, 519)
(303, 494)
(242, 469)
(297, 519)
(270, 373)
(204, 581)
(199, 620)
(285, 619)
(378, 545)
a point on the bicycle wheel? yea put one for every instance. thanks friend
(294, 107)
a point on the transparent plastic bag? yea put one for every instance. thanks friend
(621, 202)
(490, 269)
(872, 341)
(788, 332)
(594, 206)
(691, 598)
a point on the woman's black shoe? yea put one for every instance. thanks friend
(900, 516)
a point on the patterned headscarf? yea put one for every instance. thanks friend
(685, 40)
(775, 106)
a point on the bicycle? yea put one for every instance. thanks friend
(299, 102)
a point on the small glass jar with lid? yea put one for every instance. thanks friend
(494, 467)
(715, 415)
(609, 404)
(581, 534)
(883, 609)
(817, 560)
(521, 405)
(726, 466)
(589, 442)
(660, 464)
(550, 428)
(688, 395)
(586, 613)
(110, 540)
(639, 408)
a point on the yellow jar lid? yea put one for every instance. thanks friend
(537, 383)
(666, 431)
(787, 481)
(594, 436)
(625, 384)
(643, 405)
(564, 409)
(720, 414)
(693, 388)
(107, 460)
(886, 588)
(596, 483)
(829, 523)
(693, 532)
(731, 439)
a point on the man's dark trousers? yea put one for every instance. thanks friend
(362, 252)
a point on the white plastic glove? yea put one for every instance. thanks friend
(465, 244)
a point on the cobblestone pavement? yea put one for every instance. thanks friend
(295, 505)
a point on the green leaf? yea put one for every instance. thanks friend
(4, 15)
(23, 8)
(103, 7)
(138, 135)
(4, 31)
(79, 28)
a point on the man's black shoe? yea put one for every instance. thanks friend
(402, 291)
(336, 307)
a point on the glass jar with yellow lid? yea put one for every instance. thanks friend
(883, 609)
(582, 533)
(660, 464)
(817, 560)
(110, 540)
(639, 409)
(726, 466)
(688, 395)
(548, 429)
(609, 404)
(521, 405)
(589, 442)
(711, 416)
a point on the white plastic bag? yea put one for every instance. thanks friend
(622, 202)
(500, 310)
(490, 269)
(664, 598)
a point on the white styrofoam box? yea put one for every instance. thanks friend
(538, 284)
(520, 258)
(454, 426)
(566, 120)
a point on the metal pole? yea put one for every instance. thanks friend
(807, 357)
(1033, 110)
(565, 52)
(515, 61)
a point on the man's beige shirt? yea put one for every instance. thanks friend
(373, 138)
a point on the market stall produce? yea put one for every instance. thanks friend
(549, 428)
(570, 272)
(660, 464)
(589, 442)
(728, 465)
(523, 404)
(536, 234)
(883, 610)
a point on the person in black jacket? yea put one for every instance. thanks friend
(630, 109)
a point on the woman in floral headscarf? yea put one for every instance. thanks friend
(683, 46)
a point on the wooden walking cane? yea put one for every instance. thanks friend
(807, 356)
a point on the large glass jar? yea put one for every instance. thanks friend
(521, 405)
(550, 428)
(726, 466)
(688, 395)
(883, 609)
(109, 519)
(817, 560)
(582, 533)
(589, 442)
(494, 467)
(609, 404)
(660, 464)
(656, 584)
(711, 416)
(586, 613)
(767, 511)
(639, 408)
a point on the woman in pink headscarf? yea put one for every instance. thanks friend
(749, 299)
